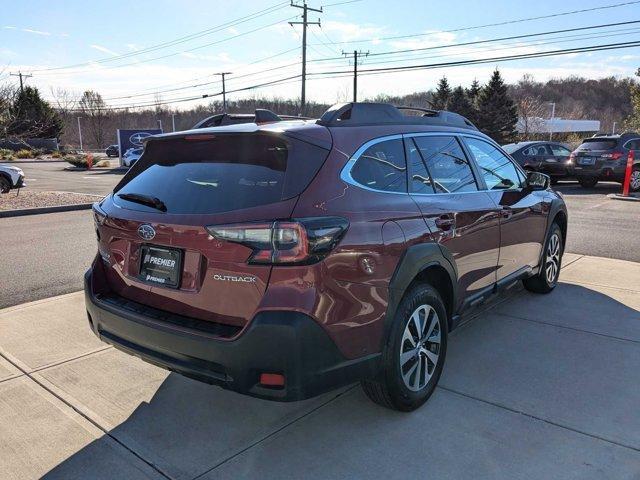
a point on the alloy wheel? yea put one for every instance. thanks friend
(552, 264)
(635, 180)
(420, 347)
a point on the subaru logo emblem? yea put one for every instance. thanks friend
(137, 138)
(146, 231)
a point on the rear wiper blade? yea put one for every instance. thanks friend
(144, 200)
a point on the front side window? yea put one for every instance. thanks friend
(498, 171)
(382, 167)
(446, 164)
(537, 151)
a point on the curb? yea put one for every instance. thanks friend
(40, 210)
(618, 196)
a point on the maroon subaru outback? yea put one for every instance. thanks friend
(283, 259)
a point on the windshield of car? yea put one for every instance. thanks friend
(221, 173)
(597, 144)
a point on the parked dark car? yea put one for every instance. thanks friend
(604, 157)
(112, 151)
(551, 158)
(286, 259)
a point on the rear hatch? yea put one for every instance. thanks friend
(156, 238)
(594, 153)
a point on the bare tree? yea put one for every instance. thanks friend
(63, 100)
(530, 116)
(94, 111)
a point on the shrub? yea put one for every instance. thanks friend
(6, 154)
(25, 153)
(79, 161)
(56, 155)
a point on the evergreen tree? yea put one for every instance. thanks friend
(32, 117)
(473, 91)
(632, 122)
(442, 95)
(497, 113)
(461, 104)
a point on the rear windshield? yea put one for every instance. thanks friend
(597, 144)
(222, 173)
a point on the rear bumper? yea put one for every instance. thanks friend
(613, 171)
(284, 342)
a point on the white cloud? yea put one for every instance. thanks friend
(9, 27)
(63, 35)
(100, 48)
(233, 31)
(220, 57)
(347, 31)
(37, 32)
(133, 47)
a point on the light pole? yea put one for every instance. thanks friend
(173, 121)
(160, 124)
(614, 128)
(553, 114)
(80, 133)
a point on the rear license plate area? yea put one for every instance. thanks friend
(160, 266)
(586, 161)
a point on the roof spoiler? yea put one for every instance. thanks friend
(355, 114)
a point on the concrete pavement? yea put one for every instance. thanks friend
(534, 387)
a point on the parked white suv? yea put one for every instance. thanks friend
(10, 177)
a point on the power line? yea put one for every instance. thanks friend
(186, 38)
(177, 53)
(567, 51)
(487, 25)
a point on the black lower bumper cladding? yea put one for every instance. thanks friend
(283, 342)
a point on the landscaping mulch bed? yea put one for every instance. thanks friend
(28, 199)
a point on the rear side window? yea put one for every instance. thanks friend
(560, 151)
(597, 144)
(447, 165)
(223, 173)
(382, 167)
(498, 171)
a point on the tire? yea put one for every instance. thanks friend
(547, 278)
(588, 182)
(399, 387)
(634, 184)
(5, 184)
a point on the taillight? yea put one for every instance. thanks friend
(291, 242)
(99, 215)
(612, 155)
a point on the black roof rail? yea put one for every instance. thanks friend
(356, 114)
(261, 115)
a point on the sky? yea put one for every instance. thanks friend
(80, 45)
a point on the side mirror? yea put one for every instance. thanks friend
(537, 181)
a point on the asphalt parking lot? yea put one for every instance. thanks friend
(534, 387)
(52, 176)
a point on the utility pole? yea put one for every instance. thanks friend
(224, 91)
(80, 133)
(21, 75)
(305, 9)
(553, 114)
(173, 121)
(355, 54)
